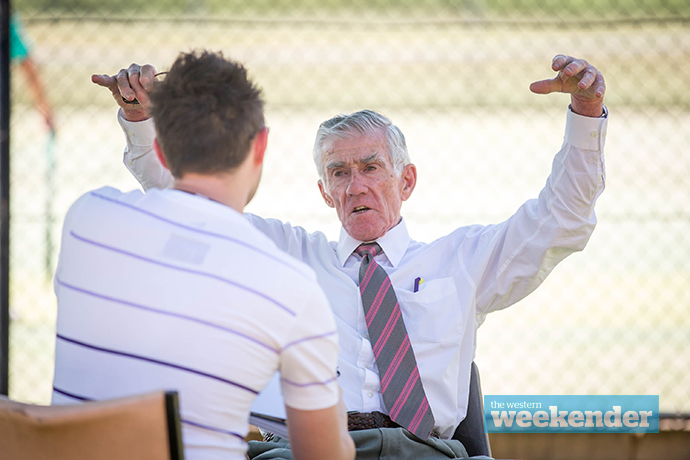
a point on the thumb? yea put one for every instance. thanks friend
(104, 80)
(546, 86)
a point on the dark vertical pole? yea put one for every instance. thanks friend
(4, 194)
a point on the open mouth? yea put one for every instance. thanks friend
(359, 209)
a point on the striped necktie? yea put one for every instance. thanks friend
(403, 393)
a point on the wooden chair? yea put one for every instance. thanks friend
(471, 430)
(142, 427)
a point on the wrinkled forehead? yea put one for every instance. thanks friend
(354, 149)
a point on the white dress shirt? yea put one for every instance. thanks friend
(467, 274)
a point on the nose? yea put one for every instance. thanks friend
(356, 185)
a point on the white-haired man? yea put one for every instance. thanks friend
(414, 392)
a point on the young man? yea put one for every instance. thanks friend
(176, 290)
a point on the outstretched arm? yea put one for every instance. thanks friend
(130, 88)
(515, 256)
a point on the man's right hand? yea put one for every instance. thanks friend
(135, 82)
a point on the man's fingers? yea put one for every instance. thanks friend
(599, 86)
(105, 81)
(123, 84)
(575, 67)
(148, 72)
(546, 86)
(139, 77)
(587, 78)
(559, 61)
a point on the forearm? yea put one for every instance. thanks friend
(578, 174)
(319, 434)
(139, 157)
(545, 230)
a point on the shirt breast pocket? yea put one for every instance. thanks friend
(432, 314)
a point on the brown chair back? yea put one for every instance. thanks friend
(142, 427)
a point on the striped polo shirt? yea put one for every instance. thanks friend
(170, 290)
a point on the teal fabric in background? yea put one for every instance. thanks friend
(19, 50)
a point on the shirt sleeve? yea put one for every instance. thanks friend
(309, 358)
(139, 156)
(294, 240)
(515, 256)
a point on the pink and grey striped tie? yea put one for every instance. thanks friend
(401, 385)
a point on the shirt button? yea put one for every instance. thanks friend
(370, 394)
(593, 134)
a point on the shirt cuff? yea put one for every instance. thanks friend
(139, 133)
(586, 132)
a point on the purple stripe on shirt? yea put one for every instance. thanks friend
(163, 312)
(309, 384)
(313, 337)
(203, 232)
(210, 428)
(71, 395)
(155, 361)
(188, 422)
(183, 269)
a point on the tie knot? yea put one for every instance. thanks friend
(368, 248)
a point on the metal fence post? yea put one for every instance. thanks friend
(4, 193)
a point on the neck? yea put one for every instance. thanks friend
(224, 188)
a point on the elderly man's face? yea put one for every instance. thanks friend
(360, 183)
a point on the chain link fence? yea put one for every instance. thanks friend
(454, 75)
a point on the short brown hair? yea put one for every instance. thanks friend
(206, 112)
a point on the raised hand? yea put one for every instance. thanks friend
(580, 79)
(130, 88)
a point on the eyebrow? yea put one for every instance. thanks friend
(365, 161)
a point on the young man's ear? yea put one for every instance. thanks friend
(258, 148)
(159, 154)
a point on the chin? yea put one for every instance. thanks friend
(366, 230)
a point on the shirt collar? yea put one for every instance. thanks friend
(394, 244)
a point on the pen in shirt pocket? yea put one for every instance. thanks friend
(417, 282)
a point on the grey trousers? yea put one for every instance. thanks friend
(379, 443)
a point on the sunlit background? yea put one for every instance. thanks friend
(454, 76)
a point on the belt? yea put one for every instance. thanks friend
(366, 421)
(359, 421)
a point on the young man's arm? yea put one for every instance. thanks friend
(312, 435)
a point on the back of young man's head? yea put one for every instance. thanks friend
(206, 112)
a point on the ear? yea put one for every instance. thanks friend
(159, 154)
(326, 197)
(409, 180)
(258, 148)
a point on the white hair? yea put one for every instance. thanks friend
(358, 123)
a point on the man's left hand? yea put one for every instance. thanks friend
(581, 80)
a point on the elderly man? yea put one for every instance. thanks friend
(407, 345)
(176, 290)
